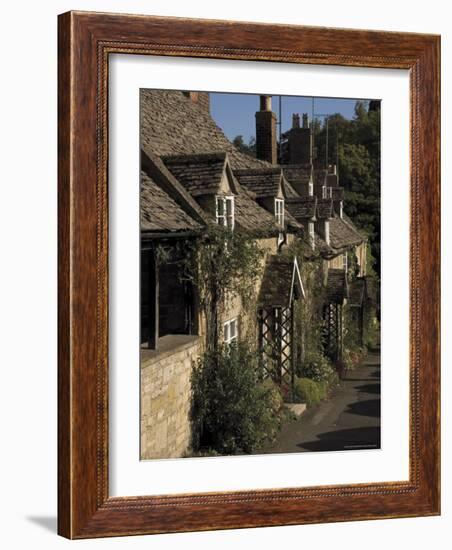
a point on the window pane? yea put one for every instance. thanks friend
(279, 211)
(229, 207)
(226, 332)
(220, 206)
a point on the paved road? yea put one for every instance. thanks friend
(349, 419)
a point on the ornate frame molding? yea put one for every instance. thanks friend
(85, 42)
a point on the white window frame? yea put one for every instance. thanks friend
(279, 212)
(230, 218)
(311, 189)
(345, 262)
(327, 231)
(228, 335)
(311, 229)
(224, 218)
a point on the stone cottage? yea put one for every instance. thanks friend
(193, 176)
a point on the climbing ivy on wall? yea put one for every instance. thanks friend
(308, 310)
(222, 264)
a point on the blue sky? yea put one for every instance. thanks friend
(234, 113)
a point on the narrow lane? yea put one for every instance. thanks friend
(348, 420)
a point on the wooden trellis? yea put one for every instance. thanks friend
(333, 330)
(276, 334)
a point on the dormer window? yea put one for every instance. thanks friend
(279, 212)
(225, 211)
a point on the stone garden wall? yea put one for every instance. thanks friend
(165, 402)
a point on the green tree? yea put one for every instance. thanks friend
(248, 149)
(356, 146)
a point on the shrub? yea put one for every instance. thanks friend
(351, 358)
(307, 391)
(372, 332)
(317, 367)
(232, 412)
(271, 413)
(274, 395)
(323, 389)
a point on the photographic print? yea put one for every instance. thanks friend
(260, 274)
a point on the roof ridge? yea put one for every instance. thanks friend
(190, 157)
(302, 198)
(257, 171)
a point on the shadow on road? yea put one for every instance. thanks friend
(343, 440)
(371, 407)
(370, 388)
(348, 378)
(349, 419)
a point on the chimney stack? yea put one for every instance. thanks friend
(295, 120)
(332, 179)
(300, 141)
(266, 131)
(201, 98)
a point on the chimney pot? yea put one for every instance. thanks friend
(295, 120)
(193, 96)
(305, 120)
(201, 98)
(266, 102)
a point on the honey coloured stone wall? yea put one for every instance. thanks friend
(165, 398)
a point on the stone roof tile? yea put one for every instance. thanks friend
(200, 174)
(324, 209)
(297, 173)
(172, 124)
(336, 286)
(159, 212)
(263, 182)
(302, 208)
(251, 217)
(289, 191)
(343, 234)
(277, 281)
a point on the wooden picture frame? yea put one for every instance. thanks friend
(86, 40)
